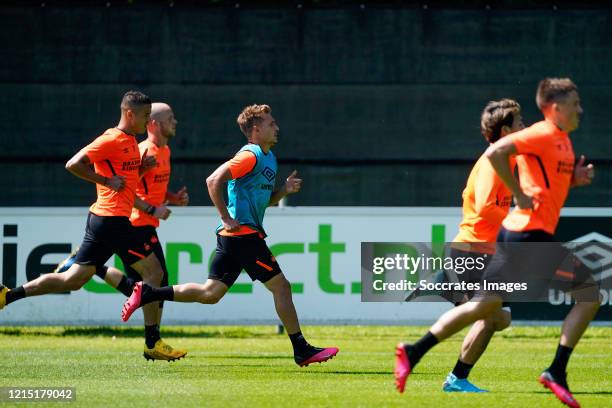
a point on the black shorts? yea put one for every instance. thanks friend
(473, 265)
(248, 252)
(536, 259)
(105, 236)
(148, 234)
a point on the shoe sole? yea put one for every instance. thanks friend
(562, 395)
(319, 358)
(402, 367)
(128, 307)
(149, 358)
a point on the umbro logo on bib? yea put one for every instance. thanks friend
(268, 173)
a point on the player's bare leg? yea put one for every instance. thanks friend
(304, 354)
(73, 279)
(408, 355)
(575, 323)
(156, 349)
(474, 345)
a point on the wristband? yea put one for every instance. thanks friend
(150, 210)
(105, 182)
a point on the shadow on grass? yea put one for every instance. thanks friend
(550, 392)
(252, 357)
(385, 373)
(107, 331)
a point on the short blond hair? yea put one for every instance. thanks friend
(551, 90)
(496, 115)
(250, 116)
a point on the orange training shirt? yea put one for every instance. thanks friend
(486, 201)
(153, 186)
(545, 160)
(114, 153)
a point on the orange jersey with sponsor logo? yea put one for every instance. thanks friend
(114, 153)
(486, 201)
(153, 186)
(546, 166)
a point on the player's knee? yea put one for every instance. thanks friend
(486, 308)
(502, 321)
(153, 276)
(156, 276)
(211, 298)
(75, 282)
(594, 305)
(281, 286)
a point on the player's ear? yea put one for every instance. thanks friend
(505, 130)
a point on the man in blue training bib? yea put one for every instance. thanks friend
(250, 176)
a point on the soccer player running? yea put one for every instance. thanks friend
(153, 190)
(117, 168)
(250, 176)
(486, 201)
(545, 161)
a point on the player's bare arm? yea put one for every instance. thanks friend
(80, 166)
(292, 185)
(499, 154)
(215, 183)
(146, 163)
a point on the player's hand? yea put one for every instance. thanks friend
(293, 183)
(583, 175)
(162, 212)
(147, 162)
(230, 224)
(524, 201)
(116, 183)
(182, 198)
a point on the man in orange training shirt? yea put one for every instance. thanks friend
(486, 201)
(153, 190)
(545, 161)
(117, 168)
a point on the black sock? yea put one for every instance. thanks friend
(126, 285)
(418, 349)
(101, 271)
(559, 364)
(298, 342)
(462, 370)
(15, 294)
(151, 294)
(151, 335)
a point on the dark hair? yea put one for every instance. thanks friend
(552, 90)
(134, 99)
(496, 115)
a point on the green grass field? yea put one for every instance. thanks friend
(253, 366)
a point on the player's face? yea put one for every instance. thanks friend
(568, 112)
(140, 117)
(167, 126)
(268, 130)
